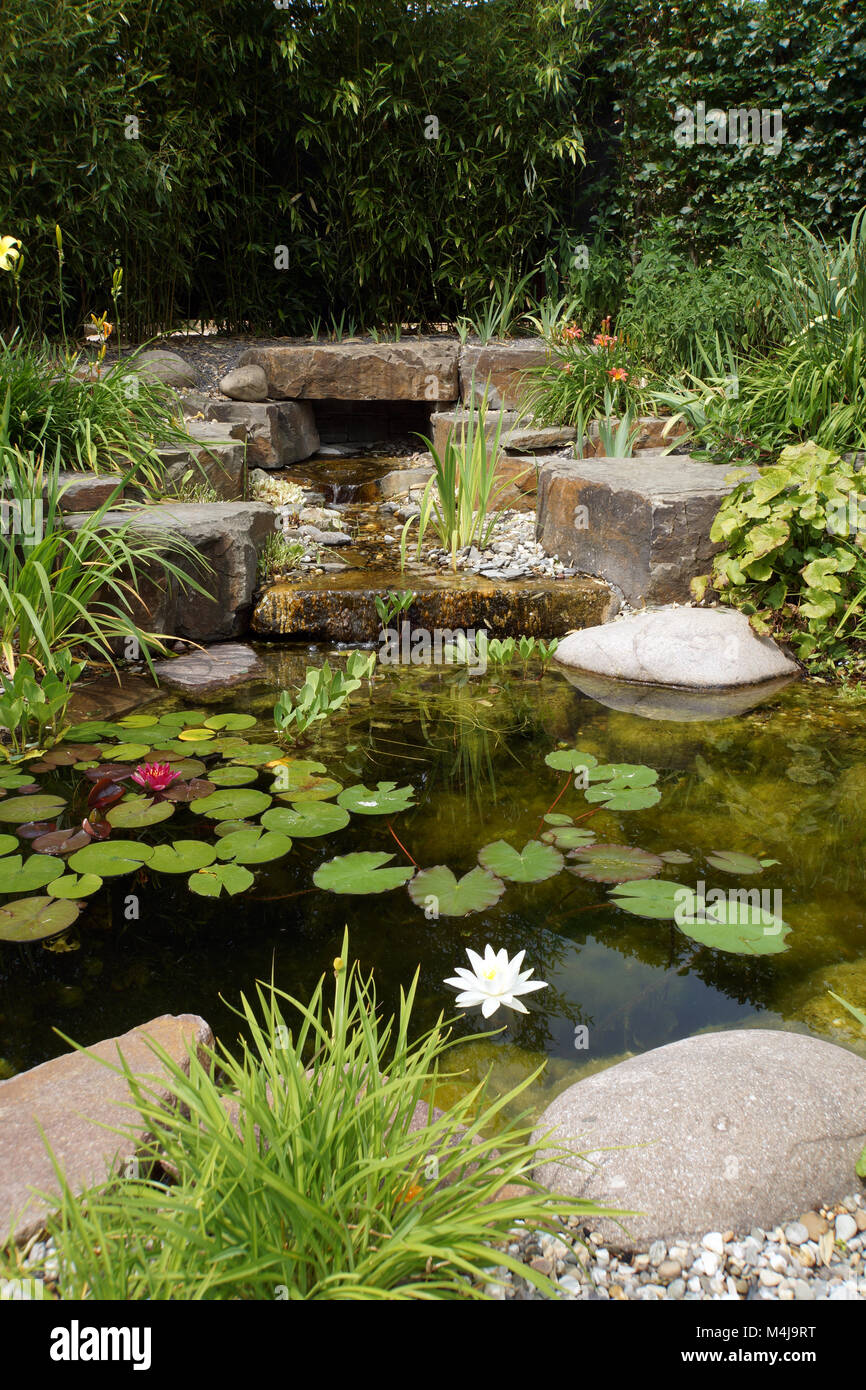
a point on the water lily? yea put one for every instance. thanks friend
(493, 980)
(154, 776)
(10, 250)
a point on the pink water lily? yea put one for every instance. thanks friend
(154, 776)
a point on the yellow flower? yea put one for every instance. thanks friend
(9, 251)
(339, 964)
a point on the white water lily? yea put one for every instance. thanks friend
(493, 980)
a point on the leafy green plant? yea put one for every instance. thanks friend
(32, 710)
(299, 1173)
(617, 437)
(278, 555)
(458, 499)
(393, 604)
(582, 378)
(789, 562)
(324, 692)
(499, 316)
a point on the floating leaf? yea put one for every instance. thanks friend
(568, 837)
(624, 774)
(622, 798)
(309, 788)
(19, 875)
(10, 842)
(181, 857)
(558, 818)
(386, 799)
(93, 729)
(32, 830)
(675, 856)
(232, 803)
(306, 818)
(220, 878)
(615, 863)
(231, 776)
(62, 841)
(736, 926)
(227, 827)
(104, 793)
(195, 735)
(10, 780)
(254, 846)
(230, 721)
(111, 857)
(655, 898)
(136, 721)
(442, 895)
(254, 755)
(362, 872)
(17, 810)
(570, 759)
(182, 718)
(533, 863)
(75, 886)
(195, 790)
(731, 862)
(127, 752)
(31, 919)
(189, 767)
(84, 767)
(138, 811)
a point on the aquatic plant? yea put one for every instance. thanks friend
(156, 777)
(494, 981)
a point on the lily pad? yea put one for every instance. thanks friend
(195, 735)
(18, 810)
(62, 841)
(676, 856)
(10, 842)
(138, 811)
(619, 797)
(11, 780)
(18, 875)
(385, 799)
(309, 788)
(182, 718)
(570, 759)
(731, 862)
(737, 927)
(568, 837)
(232, 803)
(615, 863)
(254, 846)
(136, 721)
(188, 767)
(181, 857)
(127, 752)
(306, 818)
(362, 872)
(93, 729)
(228, 827)
(625, 774)
(75, 886)
(231, 776)
(195, 790)
(230, 721)
(255, 755)
(210, 882)
(532, 864)
(442, 895)
(558, 818)
(109, 858)
(32, 919)
(657, 898)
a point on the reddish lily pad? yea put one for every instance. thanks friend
(615, 863)
(62, 841)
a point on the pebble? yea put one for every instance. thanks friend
(796, 1233)
(846, 1227)
(714, 1241)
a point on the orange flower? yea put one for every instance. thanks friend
(410, 1193)
(618, 373)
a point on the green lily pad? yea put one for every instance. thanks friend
(75, 886)
(568, 836)
(220, 878)
(127, 752)
(254, 846)
(558, 818)
(362, 872)
(230, 721)
(232, 803)
(254, 755)
(570, 759)
(110, 858)
(181, 856)
(615, 863)
(18, 875)
(291, 785)
(84, 767)
(306, 818)
(532, 864)
(91, 729)
(737, 927)
(195, 736)
(616, 797)
(655, 898)
(442, 895)
(731, 862)
(137, 811)
(182, 718)
(676, 856)
(18, 810)
(32, 919)
(232, 776)
(189, 767)
(137, 721)
(624, 774)
(228, 827)
(385, 799)
(10, 780)
(10, 842)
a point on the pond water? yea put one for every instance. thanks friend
(783, 782)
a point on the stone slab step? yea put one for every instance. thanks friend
(211, 671)
(416, 370)
(341, 608)
(518, 434)
(79, 1102)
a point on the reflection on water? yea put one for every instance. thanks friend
(784, 781)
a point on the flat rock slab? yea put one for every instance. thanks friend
(500, 367)
(517, 433)
(642, 524)
(217, 668)
(109, 697)
(719, 1132)
(86, 492)
(212, 459)
(73, 1098)
(229, 536)
(341, 608)
(420, 370)
(277, 434)
(690, 648)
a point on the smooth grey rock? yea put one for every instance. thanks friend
(214, 669)
(641, 524)
(690, 648)
(401, 481)
(227, 535)
(245, 384)
(165, 366)
(277, 433)
(716, 1131)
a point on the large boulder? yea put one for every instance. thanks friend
(500, 368)
(693, 648)
(276, 434)
(228, 536)
(724, 1131)
(642, 524)
(78, 1102)
(165, 366)
(416, 370)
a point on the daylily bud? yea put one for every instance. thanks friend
(339, 964)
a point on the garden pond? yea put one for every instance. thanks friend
(467, 762)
